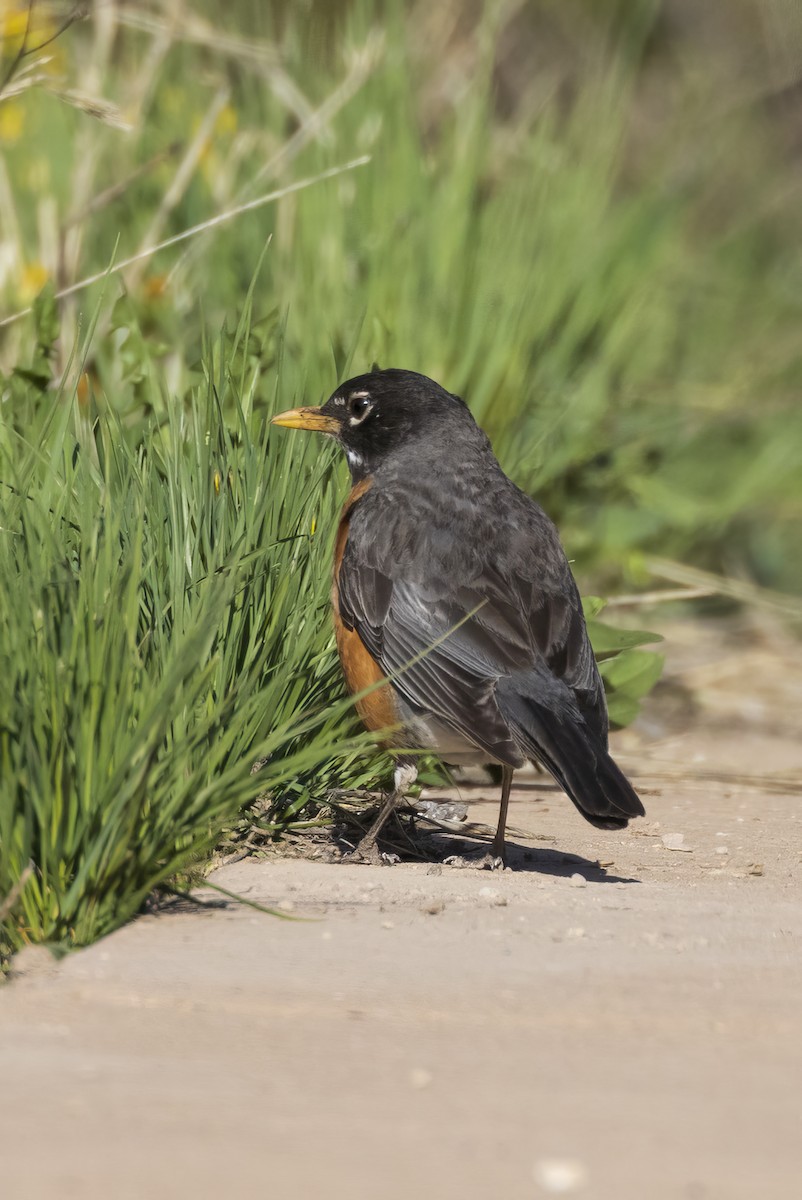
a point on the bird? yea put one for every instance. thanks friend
(454, 603)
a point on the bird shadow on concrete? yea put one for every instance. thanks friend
(534, 860)
(560, 864)
(439, 843)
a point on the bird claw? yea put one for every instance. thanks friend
(484, 862)
(369, 855)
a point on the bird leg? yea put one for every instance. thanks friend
(367, 849)
(492, 859)
(497, 849)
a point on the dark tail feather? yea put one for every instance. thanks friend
(568, 749)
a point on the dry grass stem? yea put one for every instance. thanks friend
(315, 126)
(181, 180)
(93, 106)
(737, 589)
(258, 54)
(110, 194)
(660, 596)
(193, 230)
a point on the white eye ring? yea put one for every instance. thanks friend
(359, 406)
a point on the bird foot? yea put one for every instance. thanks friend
(481, 862)
(369, 853)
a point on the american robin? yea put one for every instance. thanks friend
(452, 586)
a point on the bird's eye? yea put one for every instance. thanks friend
(359, 406)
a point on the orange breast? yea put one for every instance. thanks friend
(377, 709)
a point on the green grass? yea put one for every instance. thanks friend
(163, 624)
(607, 281)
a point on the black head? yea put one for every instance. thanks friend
(373, 415)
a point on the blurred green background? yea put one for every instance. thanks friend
(581, 215)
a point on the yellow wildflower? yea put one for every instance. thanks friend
(155, 286)
(17, 20)
(226, 122)
(12, 121)
(13, 23)
(33, 278)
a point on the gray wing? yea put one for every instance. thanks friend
(448, 642)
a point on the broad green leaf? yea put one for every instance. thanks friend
(633, 672)
(607, 639)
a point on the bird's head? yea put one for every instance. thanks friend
(373, 415)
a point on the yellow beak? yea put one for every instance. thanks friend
(307, 418)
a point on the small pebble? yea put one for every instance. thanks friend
(434, 908)
(560, 1176)
(492, 896)
(676, 841)
(388, 925)
(755, 868)
(722, 850)
(578, 880)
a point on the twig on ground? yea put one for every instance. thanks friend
(262, 908)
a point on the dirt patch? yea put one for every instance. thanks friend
(617, 1016)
